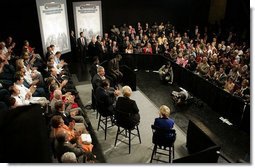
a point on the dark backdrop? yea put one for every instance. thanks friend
(19, 18)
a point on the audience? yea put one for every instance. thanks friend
(22, 82)
(221, 58)
(202, 51)
(64, 145)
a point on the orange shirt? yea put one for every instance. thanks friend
(71, 135)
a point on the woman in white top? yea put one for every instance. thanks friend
(129, 49)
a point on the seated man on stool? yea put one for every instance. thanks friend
(106, 97)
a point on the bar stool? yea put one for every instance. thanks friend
(125, 130)
(161, 143)
(104, 120)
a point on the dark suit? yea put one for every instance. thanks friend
(114, 72)
(73, 47)
(93, 71)
(82, 49)
(96, 81)
(65, 117)
(47, 55)
(73, 42)
(105, 100)
(125, 105)
(95, 49)
(62, 148)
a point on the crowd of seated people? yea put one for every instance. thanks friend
(209, 52)
(30, 78)
(27, 77)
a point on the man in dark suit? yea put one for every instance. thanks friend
(113, 67)
(49, 52)
(105, 97)
(95, 48)
(98, 78)
(73, 45)
(82, 47)
(64, 145)
(127, 112)
(60, 110)
(93, 68)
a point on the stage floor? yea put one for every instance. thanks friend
(234, 142)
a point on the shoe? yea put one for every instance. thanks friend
(147, 71)
(170, 83)
(135, 70)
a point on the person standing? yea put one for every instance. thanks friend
(73, 45)
(82, 47)
(114, 70)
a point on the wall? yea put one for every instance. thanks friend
(217, 10)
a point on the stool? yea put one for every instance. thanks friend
(161, 144)
(93, 100)
(104, 118)
(127, 133)
(103, 123)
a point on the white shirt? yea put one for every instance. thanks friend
(23, 90)
(20, 101)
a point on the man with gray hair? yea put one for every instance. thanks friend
(98, 78)
(68, 157)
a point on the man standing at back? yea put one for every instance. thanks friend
(114, 71)
(82, 47)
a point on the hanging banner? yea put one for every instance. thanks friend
(88, 18)
(54, 24)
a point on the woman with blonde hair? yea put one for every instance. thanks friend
(125, 105)
(164, 120)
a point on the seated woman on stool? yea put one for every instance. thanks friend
(163, 121)
(127, 106)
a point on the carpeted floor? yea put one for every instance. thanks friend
(234, 142)
(140, 153)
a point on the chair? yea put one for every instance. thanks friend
(93, 101)
(162, 143)
(125, 130)
(104, 119)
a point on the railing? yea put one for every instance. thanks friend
(231, 107)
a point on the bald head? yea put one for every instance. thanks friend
(57, 94)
